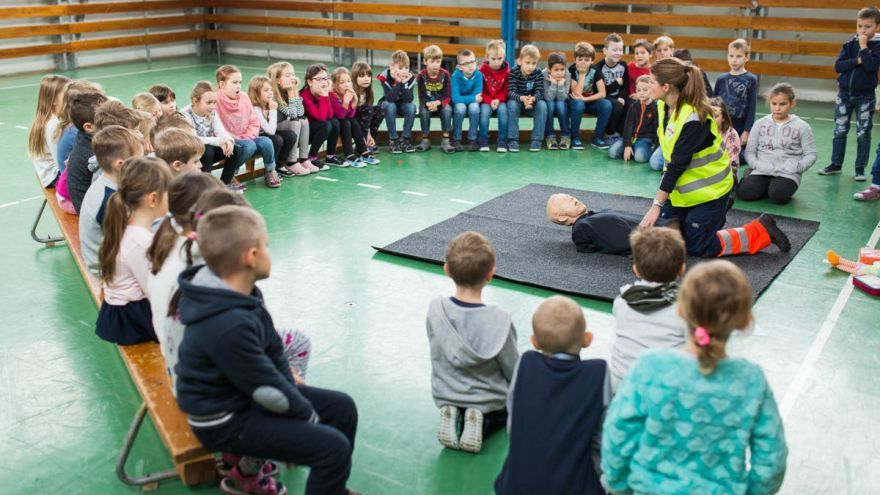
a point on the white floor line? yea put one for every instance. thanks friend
(121, 74)
(414, 193)
(806, 367)
(31, 198)
(823, 119)
(2, 123)
(462, 201)
(328, 179)
(21, 127)
(4, 205)
(371, 186)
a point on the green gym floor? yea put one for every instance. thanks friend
(66, 399)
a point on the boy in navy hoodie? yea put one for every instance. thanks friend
(233, 379)
(857, 65)
(556, 402)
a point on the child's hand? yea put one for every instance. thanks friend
(744, 138)
(622, 101)
(619, 81)
(478, 98)
(273, 105)
(627, 154)
(297, 378)
(346, 99)
(633, 96)
(227, 147)
(494, 104)
(295, 81)
(370, 141)
(863, 41)
(528, 105)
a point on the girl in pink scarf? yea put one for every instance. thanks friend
(239, 118)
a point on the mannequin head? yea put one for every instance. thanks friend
(563, 209)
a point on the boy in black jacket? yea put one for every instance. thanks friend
(857, 65)
(397, 85)
(555, 406)
(82, 115)
(233, 379)
(640, 129)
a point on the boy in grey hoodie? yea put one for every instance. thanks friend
(473, 348)
(645, 312)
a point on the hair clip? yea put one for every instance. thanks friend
(191, 236)
(702, 337)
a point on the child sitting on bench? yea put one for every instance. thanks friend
(232, 376)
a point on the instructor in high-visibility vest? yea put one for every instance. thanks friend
(697, 178)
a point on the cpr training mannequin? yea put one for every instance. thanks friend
(604, 231)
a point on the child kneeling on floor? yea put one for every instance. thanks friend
(473, 348)
(233, 379)
(556, 403)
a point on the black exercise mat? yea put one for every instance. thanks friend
(533, 251)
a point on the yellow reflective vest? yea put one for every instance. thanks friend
(708, 176)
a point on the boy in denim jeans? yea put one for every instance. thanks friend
(496, 79)
(587, 95)
(467, 94)
(857, 65)
(434, 98)
(526, 93)
(397, 85)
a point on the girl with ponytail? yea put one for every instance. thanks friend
(142, 197)
(688, 420)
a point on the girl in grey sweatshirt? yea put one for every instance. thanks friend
(780, 149)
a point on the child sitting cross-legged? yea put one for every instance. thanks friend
(233, 379)
(556, 403)
(644, 312)
(640, 128)
(473, 348)
(694, 420)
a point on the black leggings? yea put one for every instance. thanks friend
(214, 154)
(617, 119)
(778, 190)
(351, 130)
(325, 447)
(283, 141)
(321, 131)
(370, 117)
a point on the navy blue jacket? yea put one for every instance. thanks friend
(557, 405)
(858, 79)
(230, 352)
(606, 231)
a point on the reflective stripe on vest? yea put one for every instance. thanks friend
(708, 176)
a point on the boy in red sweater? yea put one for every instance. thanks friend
(496, 75)
(641, 66)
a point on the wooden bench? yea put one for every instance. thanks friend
(193, 464)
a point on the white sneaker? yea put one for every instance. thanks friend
(472, 434)
(447, 434)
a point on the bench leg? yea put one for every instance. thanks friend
(48, 240)
(148, 481)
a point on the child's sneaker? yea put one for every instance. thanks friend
(299, 169)
(551, 144)
(258, 484)
(565, 143)
(600, 144)
(860, 176)
(535, 146)
(272, 180)
(321, 166)
(284, 170)
(447, 434)
(474, 146)
(395, 148)
(513, 146)
(831, 170)
(309, 164)
(502, 147)
(457, 146)
(472, 433)
(358, 163)
(872, 193)
(374, 150)
(335, 161)
(424, 145)
(235, 185)
(406, 146)
(447, 146)
(484, 145)
(576, 144)
(369, 159)
(229, 460)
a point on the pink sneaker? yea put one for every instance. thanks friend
(229, 460)
(872, 193)
(258, 484)
(310, 166)
(299, 169)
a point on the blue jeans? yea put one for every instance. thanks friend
(472, 110)
(656, 160)
(558, 109)
(600, 108)
(643, 149)
(261, 144)
(843, 109)
(699, 225)
(445, 113)
(486, 114)
(539, 113)
(392, 110)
